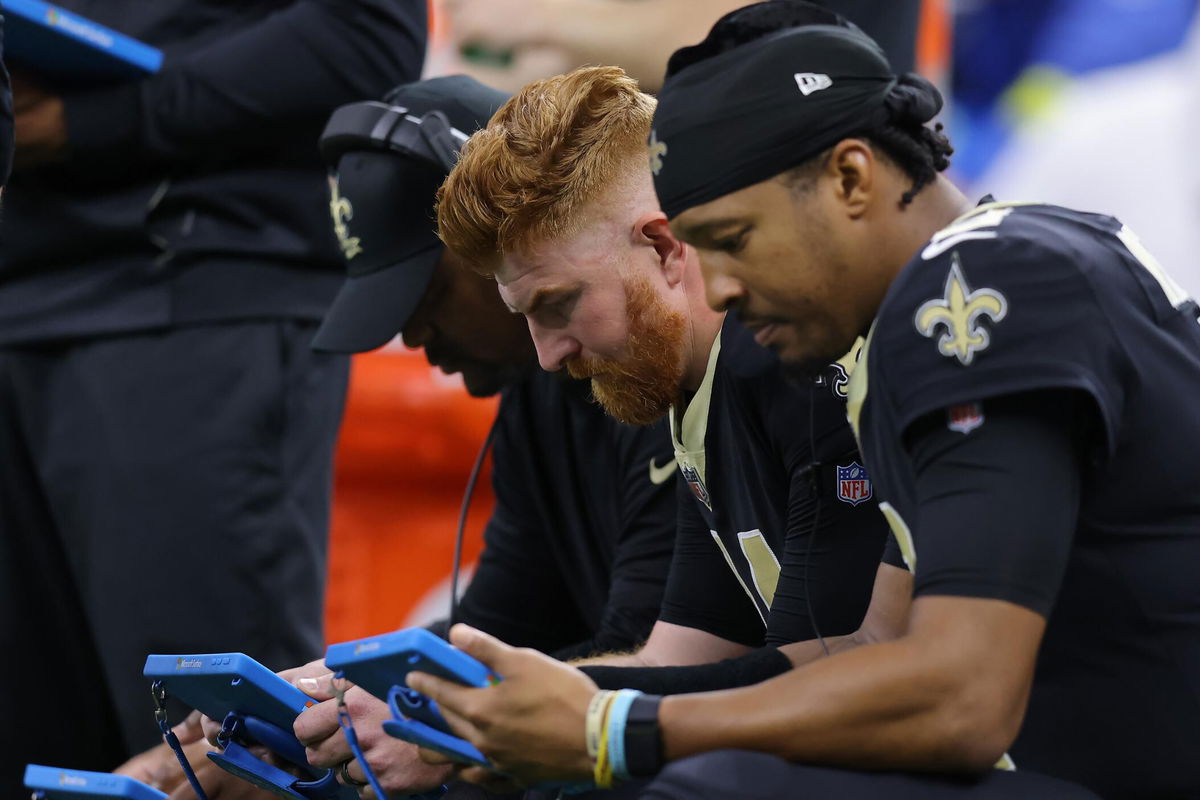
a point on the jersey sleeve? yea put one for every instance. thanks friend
(702, 590)
(989, 312)
(892, 555)
(974, 540)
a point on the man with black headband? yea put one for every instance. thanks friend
(1025, 401)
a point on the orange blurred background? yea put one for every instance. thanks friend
(408, 440)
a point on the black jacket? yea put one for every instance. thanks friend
(577, 549)
(198, 194)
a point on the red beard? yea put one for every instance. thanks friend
(638, 388)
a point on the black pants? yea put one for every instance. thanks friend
(159, 492)
(751, 776)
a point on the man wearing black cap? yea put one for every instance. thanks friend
(577, 549)
(1025, 400)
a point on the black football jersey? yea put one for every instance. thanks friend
(577, 549)
(777, 512)
(1013, 299)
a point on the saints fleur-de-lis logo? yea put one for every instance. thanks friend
(958, 312)
(658, 151)
(342, 212)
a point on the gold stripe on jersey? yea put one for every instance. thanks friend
(1176, 295)
(856, 396)
(729, 560)
(687, 434)
(764, 566)
(856, 392)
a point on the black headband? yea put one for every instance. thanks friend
(750, 113)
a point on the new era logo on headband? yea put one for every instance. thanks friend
(810, 82)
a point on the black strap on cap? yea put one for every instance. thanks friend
(372, 125)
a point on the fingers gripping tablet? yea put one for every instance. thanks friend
(257, 708)
(380, 664)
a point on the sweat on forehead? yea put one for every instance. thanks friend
(544, 158)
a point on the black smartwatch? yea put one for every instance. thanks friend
(643, 738)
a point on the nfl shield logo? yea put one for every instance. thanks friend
(695, 484)
(854, 486)
(964, 417)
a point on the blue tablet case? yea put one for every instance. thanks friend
(378, 663)
(70, 49)
(54, 783)
(256, 705)
(217, 683)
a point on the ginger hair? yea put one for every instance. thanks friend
(544, 159)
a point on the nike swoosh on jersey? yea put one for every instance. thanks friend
(660, 475)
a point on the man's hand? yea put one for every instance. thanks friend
(313, 669)
(160, 768)
(39, 123)
(530, 725)
(396, 765)
(311, 678)
(217, 783)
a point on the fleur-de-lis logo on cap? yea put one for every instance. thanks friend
(342, 212)
(958, 312)
(658, 151)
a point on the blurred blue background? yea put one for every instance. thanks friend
(1087, 103)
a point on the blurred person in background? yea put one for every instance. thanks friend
(166, 431)
(508, 43)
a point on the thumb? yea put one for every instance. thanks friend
(190, 730)
(482, 646)
(318, 688)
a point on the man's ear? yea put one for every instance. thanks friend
(852, 170)
(652, 229)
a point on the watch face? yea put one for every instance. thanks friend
(643, 739)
